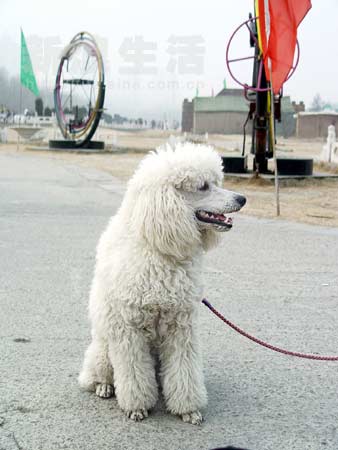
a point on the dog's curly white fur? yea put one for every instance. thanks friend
(146, 289)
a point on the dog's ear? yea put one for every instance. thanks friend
(165, 221)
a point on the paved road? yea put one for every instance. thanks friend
(276, 279)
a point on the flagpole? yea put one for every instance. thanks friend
(20, 105)
(272, 133)
(20, 109)
(275, 158)
(20, 97)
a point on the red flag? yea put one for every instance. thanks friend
(281, 30)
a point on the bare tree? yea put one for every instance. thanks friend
(317, 103)
(39, 106)
(10, 88)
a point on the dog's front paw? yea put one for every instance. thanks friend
(194, 418)
(104, 390)
(137, 415)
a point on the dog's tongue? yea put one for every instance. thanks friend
(223, 218)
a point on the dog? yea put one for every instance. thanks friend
(146, 289)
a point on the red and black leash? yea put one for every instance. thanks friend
(265, 344)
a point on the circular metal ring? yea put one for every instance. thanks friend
(80, 130)
(229, 61)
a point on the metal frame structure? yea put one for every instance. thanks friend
(80, 130)
(265, 108)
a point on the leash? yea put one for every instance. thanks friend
(265, 344)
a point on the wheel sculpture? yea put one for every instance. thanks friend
(79, 92)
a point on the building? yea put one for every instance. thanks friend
(315, 124)
(227, 112)
(298, 107)
(223, 114)
(187, 116)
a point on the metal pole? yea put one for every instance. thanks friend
(20, 109)
(272, 132)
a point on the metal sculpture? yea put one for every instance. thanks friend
(79, 91)
(265, 107)
(263, 95)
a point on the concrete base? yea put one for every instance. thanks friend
(283, 179)
(295, 166)
(286, 166)
(63, 144)
(26, 132)
(235, 164)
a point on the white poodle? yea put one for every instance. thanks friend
(147, 290)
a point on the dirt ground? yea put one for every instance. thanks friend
(307, 201)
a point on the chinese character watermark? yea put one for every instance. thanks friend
(139, 56)
(187, 55)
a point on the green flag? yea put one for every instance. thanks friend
(27, 75)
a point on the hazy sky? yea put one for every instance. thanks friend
(116, 23)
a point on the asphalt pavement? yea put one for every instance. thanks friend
(276, 279)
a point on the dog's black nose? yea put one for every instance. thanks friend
(241, 200)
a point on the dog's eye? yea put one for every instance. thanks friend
(204, 187)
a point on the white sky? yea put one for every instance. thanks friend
(156, 21)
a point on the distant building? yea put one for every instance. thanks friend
(187, 116)
(227, 112)
(298, 107)
(223, 114)
(315, 124)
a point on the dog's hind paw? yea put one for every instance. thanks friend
(104, 390)
(194, 418)
(137, 415)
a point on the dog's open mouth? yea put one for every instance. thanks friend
(213, 218)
